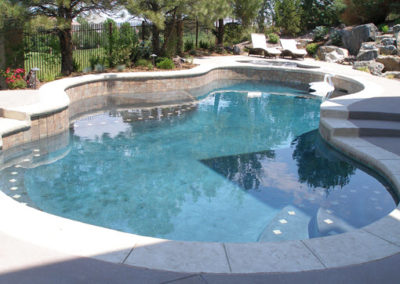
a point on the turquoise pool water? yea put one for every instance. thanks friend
(246, 164)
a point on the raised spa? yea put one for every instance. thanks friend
(244, 163)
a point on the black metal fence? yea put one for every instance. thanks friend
(41, 48)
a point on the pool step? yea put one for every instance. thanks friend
(360, 128)
(328, 224)
(291, 223)
(9, 126)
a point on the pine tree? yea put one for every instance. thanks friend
(288, 16)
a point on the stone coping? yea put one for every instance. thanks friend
(376, 241)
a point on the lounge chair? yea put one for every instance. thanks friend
(289, 48)
(259, 43)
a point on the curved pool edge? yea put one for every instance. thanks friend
(376, 241)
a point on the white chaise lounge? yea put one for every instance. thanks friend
(259, 42)
(289, 48)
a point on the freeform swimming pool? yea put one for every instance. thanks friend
(232, 168)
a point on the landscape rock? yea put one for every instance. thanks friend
(396, 29)
(375, 68)
(367, 54)
(388, 41)
(391, 63)
(332, 53)
(353, 37)
(388, 50)
(392, 75)
(236, 50)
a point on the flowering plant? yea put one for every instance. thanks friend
(14, 78)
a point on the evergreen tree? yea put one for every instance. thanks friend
(246, 10)
(321, 13)
(367, 11)
(288, 16)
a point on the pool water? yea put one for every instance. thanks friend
(245, 164)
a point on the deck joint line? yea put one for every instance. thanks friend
(314, 253)
(227, 257)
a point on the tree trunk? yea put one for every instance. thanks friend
(179, 35)
(66, 51)
(155, 40)
(197, 33)
(168, 33)
(220, 32)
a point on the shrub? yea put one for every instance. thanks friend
(166, 63)
(189, 45)
(384, 28)
(312, 48)
(14, 78)
(204, 44)
(17, 84)
(232, 33)
(320, 33)
(363, 68)
(144, 63)
(95, 60)
(336, 38)
(273, 38)
(99, 68)
(272, 30)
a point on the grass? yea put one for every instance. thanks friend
(50, 65)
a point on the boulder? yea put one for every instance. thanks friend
(388, 50)
(375, 68)
(332, 53)
(367, 54)
(391, 63)
(392, 75)
(353, 37)
(236, 50)
(388, 41)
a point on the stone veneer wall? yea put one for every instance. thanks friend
(155, 89)
(41, 127)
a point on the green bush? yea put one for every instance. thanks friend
(273, 38)
(312, 48)
(336, 38)
(166, 63)
(144, 63)
(95, 60)
(189, 45)
(204, 44)
(384, 28)
(17, 84)
(233, 33)
(320, 33)
(272, 30)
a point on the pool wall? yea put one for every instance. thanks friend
(67, 99)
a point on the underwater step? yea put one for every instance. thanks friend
(291, 223)
(328, 224)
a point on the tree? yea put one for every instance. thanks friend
(63, 12)
(209, 12)
(246, 10)
(367, 11)
(288, 16)
(265, 14)
(154, 11)
(321, 13)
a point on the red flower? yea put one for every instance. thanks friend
(8, 70)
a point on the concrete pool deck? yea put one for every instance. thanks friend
(39, 246)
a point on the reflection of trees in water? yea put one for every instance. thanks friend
(245, 169)
(315, 166)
